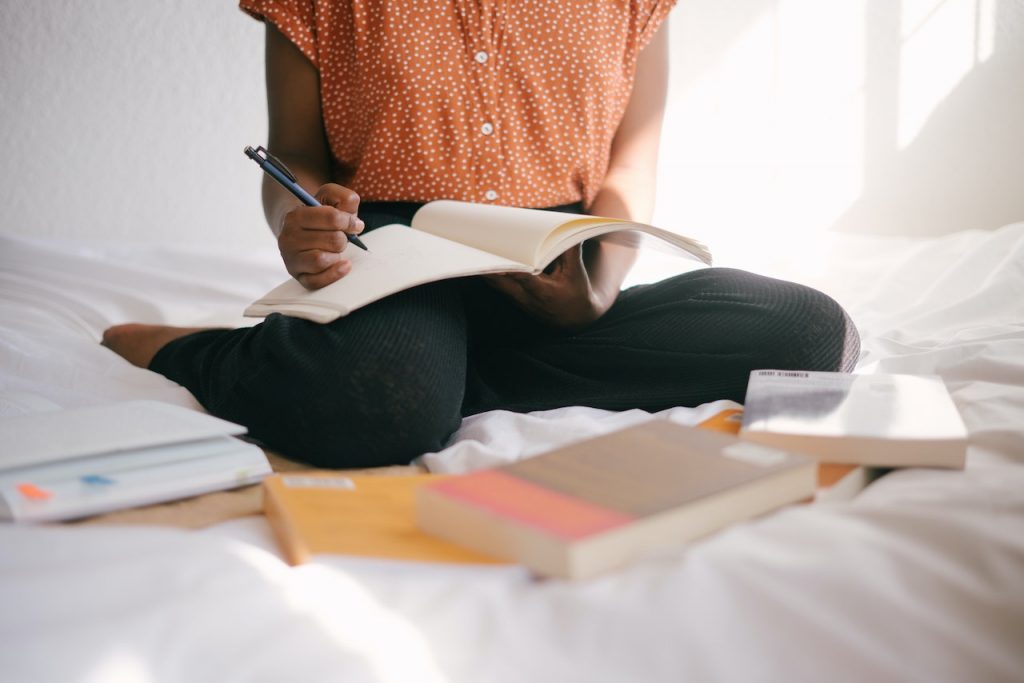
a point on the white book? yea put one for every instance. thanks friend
(68, 464)
(449, 239)
(871, 419)
(850, 485)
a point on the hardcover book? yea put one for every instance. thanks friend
(874, 419)
(594, 505)
(449, 239)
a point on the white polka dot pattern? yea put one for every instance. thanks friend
(480, 100)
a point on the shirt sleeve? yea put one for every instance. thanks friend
(295, 19)
(650, 14)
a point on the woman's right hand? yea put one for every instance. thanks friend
(312, 239)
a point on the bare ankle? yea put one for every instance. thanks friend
(138, 343)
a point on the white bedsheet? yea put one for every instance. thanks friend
(918, 579)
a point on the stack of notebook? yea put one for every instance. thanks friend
(67, 464)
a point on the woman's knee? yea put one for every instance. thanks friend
(809, 330)
(363, 401)
(351, 418)
(369, 438)
(773, 322)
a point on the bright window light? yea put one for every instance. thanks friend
(938, 51)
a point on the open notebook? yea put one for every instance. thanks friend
(449, 239)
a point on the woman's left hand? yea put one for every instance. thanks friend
(562, 296)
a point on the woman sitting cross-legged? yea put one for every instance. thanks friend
(380, 107)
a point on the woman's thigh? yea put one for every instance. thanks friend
(683, 341)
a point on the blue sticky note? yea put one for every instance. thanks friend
(97, 480)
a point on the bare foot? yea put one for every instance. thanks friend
(138, 343)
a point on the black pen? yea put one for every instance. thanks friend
(276, 169)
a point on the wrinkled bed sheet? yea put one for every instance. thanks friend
(916, 579)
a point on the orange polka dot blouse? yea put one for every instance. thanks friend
(489, 101)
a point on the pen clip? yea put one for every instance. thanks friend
(269, 158)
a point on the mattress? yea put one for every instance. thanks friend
(916, 579)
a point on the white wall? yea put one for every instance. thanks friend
(789, 117)
(127, 119)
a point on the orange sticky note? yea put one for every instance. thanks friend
(728, 421)
(33, 492)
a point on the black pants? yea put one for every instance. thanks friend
(393, 380)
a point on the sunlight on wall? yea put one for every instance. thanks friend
(986, 30)
(785, 115)
(938, 49)
(766, 142)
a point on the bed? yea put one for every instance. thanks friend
(918, 578)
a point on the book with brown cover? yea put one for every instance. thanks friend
(594, 505)
(837, 481)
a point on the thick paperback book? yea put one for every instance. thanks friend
(594, 505)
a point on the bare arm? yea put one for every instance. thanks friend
(629, 187)
(296, 124)
(311, 239)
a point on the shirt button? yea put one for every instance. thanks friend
(487, 129)
(481, 57)
(490, 195)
